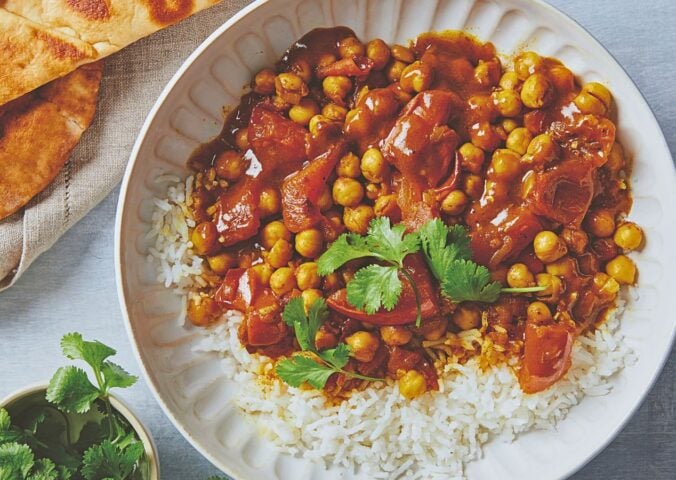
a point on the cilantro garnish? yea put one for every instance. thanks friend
(314, 367)
(447, 252)
(376, 285)
(77, 434)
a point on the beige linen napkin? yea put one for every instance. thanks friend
(132, 81)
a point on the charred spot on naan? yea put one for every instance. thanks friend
(39, 130)
(166, 12)
(90, 9)
(61, 48)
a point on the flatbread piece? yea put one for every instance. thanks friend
(41, 40)
(39, 130)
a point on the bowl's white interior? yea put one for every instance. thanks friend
(191, 387)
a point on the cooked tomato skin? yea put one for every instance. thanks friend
(547, 351)
(406, 310)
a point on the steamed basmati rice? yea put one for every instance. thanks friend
(377, 432)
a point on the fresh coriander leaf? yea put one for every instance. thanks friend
(44, 469)
(5, 420)
(106, 461)
(16, 461)
(464, 280)
(348, 246)
(317, 315)
(94, 353)
(336, 357)
(390, 242)
(8, 433)
(294, 316)
(375, 286)
(71, 391)
(116, 376)
(442, 245)
(300, 369)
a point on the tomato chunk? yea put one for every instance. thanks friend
(406, 310)
(237, 216)
(546, 358)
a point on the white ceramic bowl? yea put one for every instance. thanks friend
(140, 429)
(191, 387)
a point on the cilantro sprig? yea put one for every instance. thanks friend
(377, 285)
(77, 434)
(314, 367)
(447, 252)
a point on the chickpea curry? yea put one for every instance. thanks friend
(378, 211)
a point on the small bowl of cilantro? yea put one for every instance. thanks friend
(73, 428)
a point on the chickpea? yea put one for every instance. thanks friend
(615, 161)
(324, 339)
(364, 345)
(394, 70)
(548, 246)
(357, 219)
(204, 238)
(222, 262)
(518, 140)
(290, 87)
(263, 272)
(412, 384)
(309, 242)
(325, 201)
(538, 313)
(562, 267)
(472, 157)
(605, 284)
(473, 186)
(334, 112)
(332, 282)
(373, 166)
(600, 223)
(387, 206)
(600, 92)
(485, 136)
(309, 297)
(347, 192)
(576, 240)
(402, 54)
(518, 276)
(553, 287)
(562, 78)
(455, 202)
(589, 104)
(202, 311)
(536, 91)
(526, 64)
(303, 69)
(541, 150)
(628, 236)
(350, 47)
(396, 335)
(372, 190)
(416, 77)
(509, 81)
(506, 164)
(467, 317)
(622, 269)
(315, 122)
(434, 329)
(304, 111)
(507, 102)
(487, 73)
(280, 254)
(282, 280)
(348, 166)
(336, 87)
(269, 202)
(229, 165)
(307, 276)
(264, 82)
(378, 51)
(272, 232)
(508, 125)
(242, 139)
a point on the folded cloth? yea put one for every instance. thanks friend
(132, 81)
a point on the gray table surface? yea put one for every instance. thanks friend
(72, 286)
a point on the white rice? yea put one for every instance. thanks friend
(376, 432)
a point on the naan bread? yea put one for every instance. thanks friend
(41, 40)
(39, 130)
